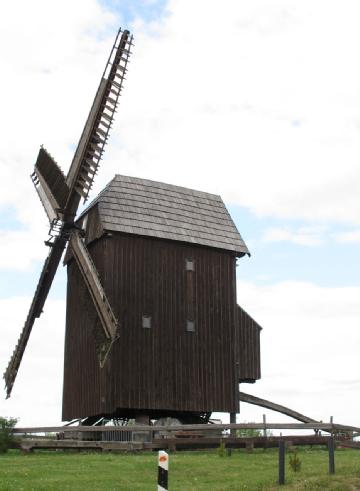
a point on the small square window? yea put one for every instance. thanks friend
(190, 265)
(146, 321)
(190, 326)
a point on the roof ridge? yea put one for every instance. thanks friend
(183, 188)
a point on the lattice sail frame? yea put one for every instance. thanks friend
(61, 196)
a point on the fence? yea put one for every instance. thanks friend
(144, 437)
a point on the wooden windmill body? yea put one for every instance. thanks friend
(166, 257)
(152, 327)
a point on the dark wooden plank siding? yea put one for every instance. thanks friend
(248, 347)
(164, 367)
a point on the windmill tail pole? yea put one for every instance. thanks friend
(274, 407)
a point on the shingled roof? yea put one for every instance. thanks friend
(149, 208)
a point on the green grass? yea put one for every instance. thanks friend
(189, 471)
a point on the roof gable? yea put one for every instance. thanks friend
(148, 208)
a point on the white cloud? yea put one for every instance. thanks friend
(260, 103)
(49, 52)
(349, 237)
(20, 249)
(262, 109)
(306, 236)
(309, 346)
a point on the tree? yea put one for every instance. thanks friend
(6, 433)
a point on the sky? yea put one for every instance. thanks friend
(258, 101)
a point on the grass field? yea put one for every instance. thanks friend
(188, 471)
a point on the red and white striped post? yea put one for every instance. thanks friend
(163, 467)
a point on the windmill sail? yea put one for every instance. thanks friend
(106, 337)
(95, 134)
(61, 196)
(37, 304)
(50, 184)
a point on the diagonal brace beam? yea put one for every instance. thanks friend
(106, 315)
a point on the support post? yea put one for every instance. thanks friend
(233, 421)
(142, 436)
(163, 468)
(264, 423)
(232, 432)
(281, 462)
(331, 455)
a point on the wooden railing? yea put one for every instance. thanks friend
(144, 437)
(327, 427)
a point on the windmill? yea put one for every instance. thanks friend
(61, 195)
(153, 328)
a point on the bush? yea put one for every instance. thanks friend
(221, 449)
(295, 462)
(252, 432)
(6, 433)
(248, 433)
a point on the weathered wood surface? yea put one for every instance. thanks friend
(247, 347)
(160, 369)
(28, 445)
(239, 442)
(350, 444)
(257, 401)
(140, 235)
(142, 207)
(92, 281)
(171, 443)
(197, 427)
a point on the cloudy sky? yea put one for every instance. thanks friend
(258, 101)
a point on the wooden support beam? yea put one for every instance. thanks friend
(250, 399)
(108, 333)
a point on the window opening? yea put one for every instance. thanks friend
(146, 321)
(190, 326)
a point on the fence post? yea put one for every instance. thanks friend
(163, 468)
(281, 461)
(331, 455)
(264, 423)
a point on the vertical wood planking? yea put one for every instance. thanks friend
(164, 367)
(247, 347)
